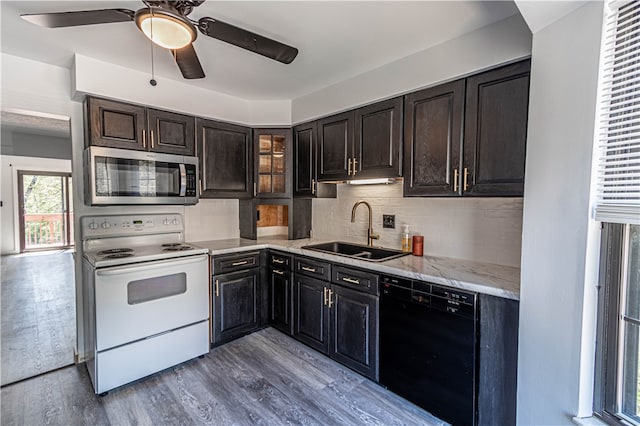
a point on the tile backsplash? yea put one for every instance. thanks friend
(480, 229)
(212, 220)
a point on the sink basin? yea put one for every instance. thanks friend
(357, 251)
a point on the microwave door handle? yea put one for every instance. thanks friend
(183, 179)
(151, 265)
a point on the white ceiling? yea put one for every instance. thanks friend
(336, 40)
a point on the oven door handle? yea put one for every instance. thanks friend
(151, 265)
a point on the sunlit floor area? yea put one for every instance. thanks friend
(38, 325)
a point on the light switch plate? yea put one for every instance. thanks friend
(389, 221)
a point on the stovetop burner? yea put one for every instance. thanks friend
(117, 255)
(177, 248)
(115, 251)
(171, 245)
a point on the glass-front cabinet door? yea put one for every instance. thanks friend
(273, 163)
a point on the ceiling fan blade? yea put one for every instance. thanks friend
(82, 17)
(247, 40)
(188, 62)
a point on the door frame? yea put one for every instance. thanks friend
(67, 214)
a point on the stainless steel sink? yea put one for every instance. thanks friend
(357, 251)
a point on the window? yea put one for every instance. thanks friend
(617, 387)
(618, 359)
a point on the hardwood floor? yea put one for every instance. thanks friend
(38, 326)
(265, 378)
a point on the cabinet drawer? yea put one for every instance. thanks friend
(280, 260)
(313, 268)
(356, 279)
(235, 262)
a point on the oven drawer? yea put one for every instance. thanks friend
(235, 262)
(133, 302)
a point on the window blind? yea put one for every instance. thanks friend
(618, 168)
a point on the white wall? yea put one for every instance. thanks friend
(9, 183)
(479, 229)
(486, 47)
(34, 145)
(91, 76)
(556, 294)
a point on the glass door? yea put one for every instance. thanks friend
(45, 210)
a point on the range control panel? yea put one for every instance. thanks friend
(126, 225)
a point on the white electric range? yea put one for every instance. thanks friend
(146, 295)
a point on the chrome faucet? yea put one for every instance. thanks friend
(370, 235)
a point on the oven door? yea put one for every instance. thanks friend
(134, 302)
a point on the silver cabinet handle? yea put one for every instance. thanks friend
(330, 301)
(217, 289)
(151, 131)
(244, 262)
(279, 261)
(313, 186)
(306, 268)
(144, 138)
(350, 280)
(277, 271)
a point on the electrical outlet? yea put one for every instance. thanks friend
(389, 221)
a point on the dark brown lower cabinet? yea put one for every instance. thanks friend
(281, 300)
(236, 304)
(311, 313)
(339, 322)
(354, 330)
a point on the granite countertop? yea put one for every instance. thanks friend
(497, 280)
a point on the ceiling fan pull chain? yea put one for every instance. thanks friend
(153, 81)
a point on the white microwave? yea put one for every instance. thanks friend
(121, 176)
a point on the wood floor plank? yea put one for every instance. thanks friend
(265, 378)
(37, 314)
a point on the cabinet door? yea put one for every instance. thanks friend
(354, 330)
(224, 152)
(496, 131)
(115, 124)
(311, 314)
(335, 146)
(274, 161)
(171, 133)
(281, 300)
(378, 140)
(432, 140)
(304, 140)
(235, 304)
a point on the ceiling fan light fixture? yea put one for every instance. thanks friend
(165, 28)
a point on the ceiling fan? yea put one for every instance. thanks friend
(167, 25)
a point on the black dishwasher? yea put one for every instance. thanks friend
(428, 347)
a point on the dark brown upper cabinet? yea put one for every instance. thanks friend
(488, 157)
(121, 125)
(363, 143)
(433, 136)
(335, 147)
(274, 162)
(378, 140)
(226, 162)
(496, 131)
(305, 179)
